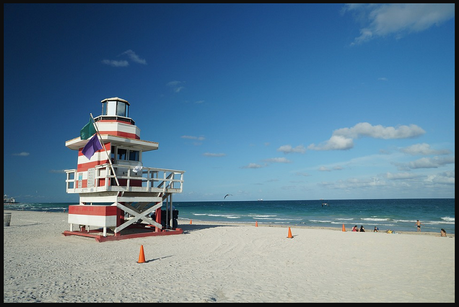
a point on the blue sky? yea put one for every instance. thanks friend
(262, 101)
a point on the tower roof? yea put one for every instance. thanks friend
(142, 145)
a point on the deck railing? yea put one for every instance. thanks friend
(102, 179)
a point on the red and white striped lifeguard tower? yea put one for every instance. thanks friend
(119, 197)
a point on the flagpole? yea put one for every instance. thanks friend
(108, 157)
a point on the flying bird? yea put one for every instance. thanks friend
(227, 196)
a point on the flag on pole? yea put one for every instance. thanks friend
(88, 130)
(91, 147)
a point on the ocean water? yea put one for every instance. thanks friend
(394, 214)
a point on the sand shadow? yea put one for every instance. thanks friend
(22, 225)
(194, 227)
(159, 258)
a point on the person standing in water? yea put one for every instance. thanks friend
(418, 224)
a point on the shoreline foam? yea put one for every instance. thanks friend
(262, 224)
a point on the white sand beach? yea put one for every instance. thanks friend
(214, 262)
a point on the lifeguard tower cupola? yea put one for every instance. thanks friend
(119, 197)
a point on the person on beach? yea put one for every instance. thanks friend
(418, 224)
(354, 229)
(362, 229)
(443, 233)
(376, 229)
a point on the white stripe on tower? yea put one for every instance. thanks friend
(118, 129)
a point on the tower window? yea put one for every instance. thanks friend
(122, 154)
(110, 108)
(125, 154)
(113, 152)
(115, 107)
(121, 109)
(133, 155)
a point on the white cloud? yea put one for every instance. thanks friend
(114, 63)
(327, 169)
(277, 160)
(267, 162)
(380, 132)
(134, 57)
(434, 162)
(423, 149)
(401, 176)
(352, 183)
(191, 137)
(209, 154)
(176, 85)
(398, 19)
(336, 142)
(21, 154)
(289, 149)
(442, 178)
(342, 139)
(253, 165)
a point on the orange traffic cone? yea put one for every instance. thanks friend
(289, 233)
(344, 228)
(141, 255)
(256, 223)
